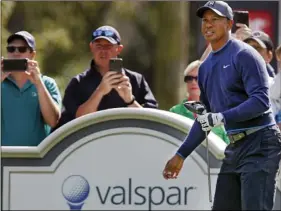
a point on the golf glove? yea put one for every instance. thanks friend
(210, 120)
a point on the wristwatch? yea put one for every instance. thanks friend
(131, 102)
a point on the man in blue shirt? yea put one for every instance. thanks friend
(239, 101)
(30, 101)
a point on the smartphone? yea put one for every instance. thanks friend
(240, 16)
(14, 65)
(116, 64)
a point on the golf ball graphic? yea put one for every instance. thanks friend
(75, 189)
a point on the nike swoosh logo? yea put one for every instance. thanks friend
(225, 66)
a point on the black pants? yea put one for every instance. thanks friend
(247, 177)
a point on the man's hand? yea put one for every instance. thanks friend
(124, 89)
(109, 81)
(4, 75)
(243, 31)
(210, 120)
(33, 72)
(173, 167)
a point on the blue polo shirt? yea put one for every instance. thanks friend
(22, 123)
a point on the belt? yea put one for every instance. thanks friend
(238, 136)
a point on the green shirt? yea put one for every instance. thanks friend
(180, 109)
(22, 123)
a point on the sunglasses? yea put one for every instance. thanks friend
(21, 49)
(189, 78)
(106, 33)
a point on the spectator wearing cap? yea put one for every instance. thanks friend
(98, 88)
(193, 94)
(264, 45)
(30, 101)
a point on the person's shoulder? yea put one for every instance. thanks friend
(48, 80)
(135, 77)
(205, 65)
(239, 47)
(237, 43)
(242, 52)
(175, 107)
(82, 75)
(131, 73)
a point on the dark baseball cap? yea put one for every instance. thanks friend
(108, 33)
(221, 8)
(262, 39)
(24, 35)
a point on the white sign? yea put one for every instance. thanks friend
(122, 170)
(113, 169)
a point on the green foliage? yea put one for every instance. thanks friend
(149, 30)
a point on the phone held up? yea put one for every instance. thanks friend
(116, 64)
(14, 65)
(240, 16)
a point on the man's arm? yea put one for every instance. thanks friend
(196, 135)
(49, 101)
(91, 105)
(252, 68)
(147, 98)
(71, 101)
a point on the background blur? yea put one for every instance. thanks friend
(159, 38)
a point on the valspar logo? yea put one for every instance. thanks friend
(118, 196)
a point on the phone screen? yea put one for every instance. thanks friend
(240, 16)
(12, 65)
(116, 64)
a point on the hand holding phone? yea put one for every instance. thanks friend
(242, 32)
(109, 81)
(240, 16)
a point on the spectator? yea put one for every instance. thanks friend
(275, 90)
(30, 100)
(97, 88)
(263, 44)
(278, 57)
(193, 94)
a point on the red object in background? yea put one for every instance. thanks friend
(262, 21)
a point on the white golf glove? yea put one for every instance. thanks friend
(210, 120)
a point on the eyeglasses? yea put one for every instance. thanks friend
(106, 33)
(21, 49)
(189, 78)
